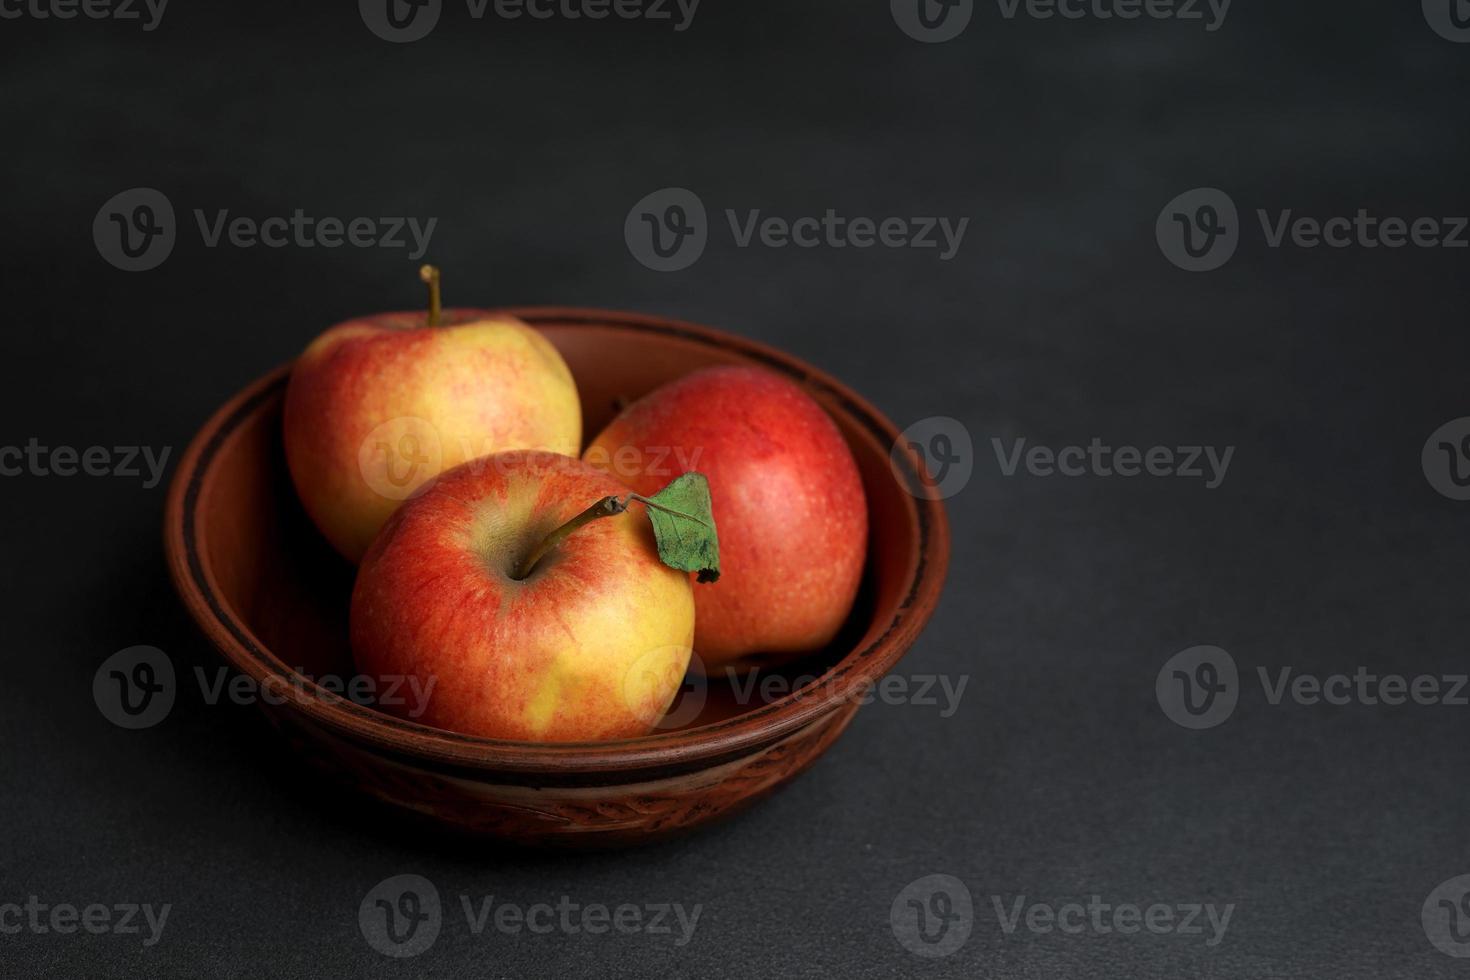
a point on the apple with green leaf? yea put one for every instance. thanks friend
(378, 407)
(788, 500)
(526, 594)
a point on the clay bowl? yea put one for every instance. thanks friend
(273, 597)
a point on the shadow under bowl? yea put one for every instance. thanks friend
(273, 598)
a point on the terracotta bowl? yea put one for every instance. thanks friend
(273, 597)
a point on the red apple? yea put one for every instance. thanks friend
(788, 502)
(379, 406)
(592, 644)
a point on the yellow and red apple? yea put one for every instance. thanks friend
(378, 407)
(591, 643)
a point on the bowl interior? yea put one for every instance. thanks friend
(286, 587)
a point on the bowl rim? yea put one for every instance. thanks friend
(660, 752)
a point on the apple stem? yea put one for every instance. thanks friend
(606, 507)
(429, 274)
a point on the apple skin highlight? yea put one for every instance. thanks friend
(379, 406)
(592, 645)
(788, 501)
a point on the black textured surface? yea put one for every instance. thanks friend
(1059, 777)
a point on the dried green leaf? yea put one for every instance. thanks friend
(684, 526)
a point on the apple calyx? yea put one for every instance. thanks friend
(429, 275)
(686, 541)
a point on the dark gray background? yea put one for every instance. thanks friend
(1060, 320)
